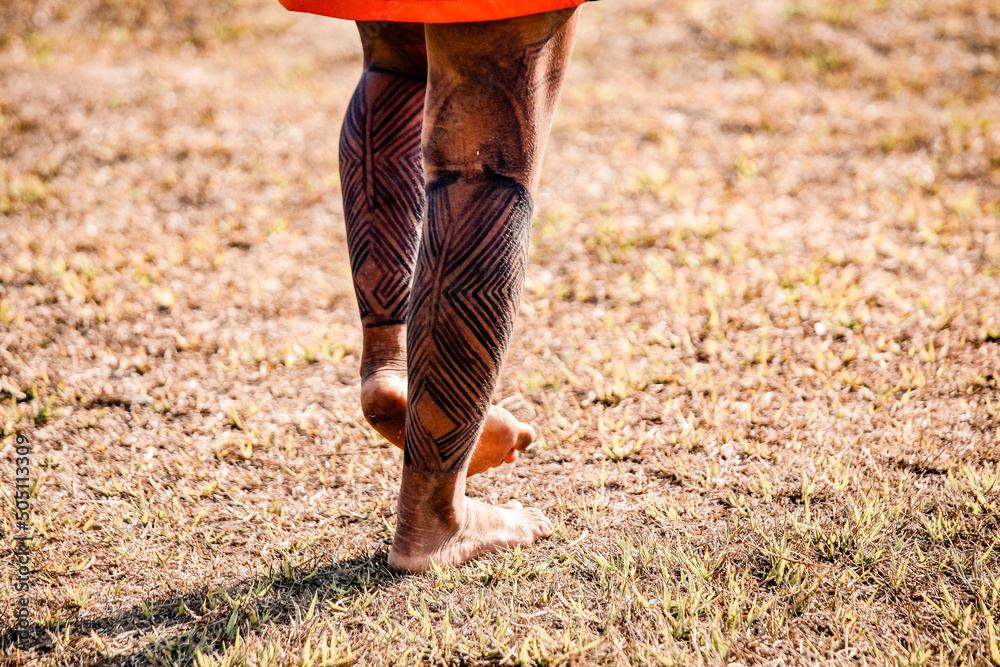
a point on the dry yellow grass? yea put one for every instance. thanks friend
(760, 341)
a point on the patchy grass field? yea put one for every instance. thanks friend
(760, 342)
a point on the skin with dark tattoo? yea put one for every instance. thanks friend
(467, 288)
(382, 179)
(467, 291)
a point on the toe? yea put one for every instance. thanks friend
(511, 456)
(543, 525)
(513, 505)
(535, 523)
(541, 529)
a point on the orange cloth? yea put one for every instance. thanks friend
(427, 11)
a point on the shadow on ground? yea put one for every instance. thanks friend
(210, 619)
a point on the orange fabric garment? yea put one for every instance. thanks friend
(427, 11)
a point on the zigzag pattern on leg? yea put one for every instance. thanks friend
(382, 180)
(466, 294)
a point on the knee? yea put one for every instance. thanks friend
(490, 161)
(476, 134)
(492, 94)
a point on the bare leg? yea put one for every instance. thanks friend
(492, 91)
(382, 177)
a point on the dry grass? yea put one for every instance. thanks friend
(760, 341)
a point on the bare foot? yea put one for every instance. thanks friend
(383, 401)
(459, 531)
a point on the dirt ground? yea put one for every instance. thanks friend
(759, 340)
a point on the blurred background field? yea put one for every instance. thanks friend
(760, 342)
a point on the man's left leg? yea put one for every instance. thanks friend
(382, 180)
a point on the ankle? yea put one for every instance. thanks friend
(380, 367)
(384, 350)
(429, 501)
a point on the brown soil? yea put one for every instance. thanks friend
(760, 342)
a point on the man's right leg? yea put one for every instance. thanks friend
(492, 91)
